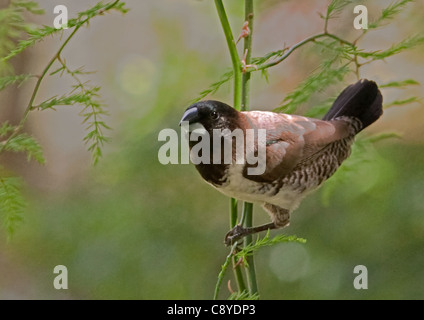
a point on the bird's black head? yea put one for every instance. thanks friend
(211, 115)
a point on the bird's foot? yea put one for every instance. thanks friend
(235, 234)
(238, 232)
(246, 66)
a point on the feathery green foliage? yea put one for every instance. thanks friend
(14, 79)
(266, 241)
(335, 7)
(84, 17)
(242, 255)
(400, 84)
(92, 113)
(271, 55)
(34, 36)
(389, 13)
(12, 28)
(244, 295)
(333, 10)
(214, 87)
(5, 129)
(406, 44)
(27, 144)
(327, 75)
(403, 102)
(30, 6)
(12, 203)
(381, 136)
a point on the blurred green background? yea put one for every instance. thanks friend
(131, 228)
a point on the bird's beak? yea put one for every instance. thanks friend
(191, 115)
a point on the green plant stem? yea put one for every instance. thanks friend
(296, 46)
(248, 240)
(233, 210)
(237, 105)
(235, 60)
(237, 268)
(247, 52)
(247, 217)
(223, 270)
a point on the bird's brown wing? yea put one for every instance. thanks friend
(292, 139)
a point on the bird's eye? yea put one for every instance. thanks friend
(214, 115)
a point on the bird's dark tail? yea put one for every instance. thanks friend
(361, 100)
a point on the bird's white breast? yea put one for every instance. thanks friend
(237, 186)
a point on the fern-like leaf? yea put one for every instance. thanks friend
(84, 17)
(265, 242)
(398, 103)
(327, 75)
(30, 6)
(214, 87)
(25, 143)
(389, 13)
(6, 129)
(14, 79)
(244, 295)
(12, 203)
(406, 44)
(335, 7)
(400, 84)
(92, 114)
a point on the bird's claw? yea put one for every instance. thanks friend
(234, 235)
(244, 65)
